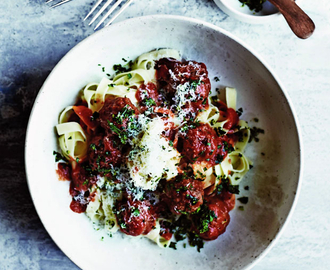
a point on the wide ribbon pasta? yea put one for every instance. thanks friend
(143, 70)
(95, 94)
(73, 140)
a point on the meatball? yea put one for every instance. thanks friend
(116, 114)
(185, 196)
(172, 73)
(200, 144)
(135, 217)
(212, 220)
(104, 153)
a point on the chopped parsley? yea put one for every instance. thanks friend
(228, 147)
(206, 216)
(192, 199)
(234, 189)
(254, 5)
(188, 126)
(181, 231)
(239, 112)
(136, 212)
(122, 68)
(218, 159)
(121, 133)
(149, 102)
(173, 245)
(125, 113)
(243, 200)
(219, 132)
(92, 146)
(195, 241)
(194, 84)
(58, 156)
(95, 116)
(85, 182)
(225, 185)
(255, 133)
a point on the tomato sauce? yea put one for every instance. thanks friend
(63, 171)
(86, 116)
(78, 207)
(80, 185)
(165, 233)
(229, 114)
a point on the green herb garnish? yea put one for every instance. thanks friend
(58, 156)
(254, 5)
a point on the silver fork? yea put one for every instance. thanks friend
(106, 4)
(58, 4)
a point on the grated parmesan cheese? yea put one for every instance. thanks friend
(153, 158)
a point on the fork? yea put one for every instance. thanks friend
(115, 5)
(58, 4)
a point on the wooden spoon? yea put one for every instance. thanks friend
(298, 20)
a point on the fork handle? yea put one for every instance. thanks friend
(300, 23)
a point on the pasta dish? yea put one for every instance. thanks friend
(149, 152)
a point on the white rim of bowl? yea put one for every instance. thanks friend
(245, 17)
(218, 29)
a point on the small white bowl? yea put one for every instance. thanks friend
(235, 9)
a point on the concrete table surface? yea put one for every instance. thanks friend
(33, 38)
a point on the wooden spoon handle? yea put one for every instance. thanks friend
(298, 20)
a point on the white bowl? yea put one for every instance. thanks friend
(273, 182)
(235, 9)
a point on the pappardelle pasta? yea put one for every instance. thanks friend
(151, 153)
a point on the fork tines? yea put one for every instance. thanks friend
(58, 3)
(109, 12)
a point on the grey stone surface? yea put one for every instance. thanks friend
(33, 38)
